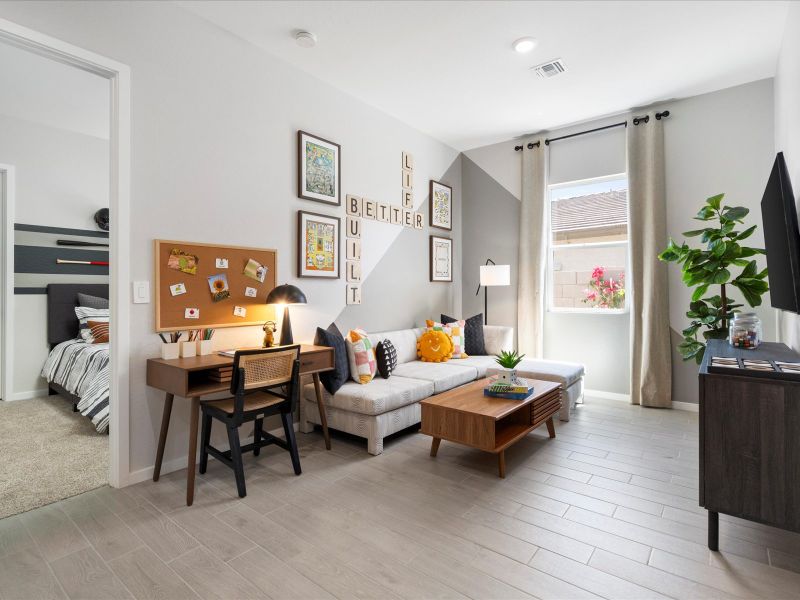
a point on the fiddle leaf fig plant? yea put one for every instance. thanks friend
(715, 264)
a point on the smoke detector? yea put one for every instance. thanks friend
(550, 68)
(305, 39)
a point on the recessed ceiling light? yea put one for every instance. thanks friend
(305, 39)
(523, 45)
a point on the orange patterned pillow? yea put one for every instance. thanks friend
(99, 331)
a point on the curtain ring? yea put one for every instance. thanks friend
(644, 119)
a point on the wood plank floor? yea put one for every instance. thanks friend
(608, 509)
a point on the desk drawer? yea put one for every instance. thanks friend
(312, 362)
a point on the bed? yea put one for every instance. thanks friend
(77, 371)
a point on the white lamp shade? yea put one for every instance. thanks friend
(496, 275)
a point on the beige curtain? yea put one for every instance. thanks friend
(532, 250)
(651, 379)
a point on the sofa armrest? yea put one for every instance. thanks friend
(497, 338)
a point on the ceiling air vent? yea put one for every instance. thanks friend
(550, 69)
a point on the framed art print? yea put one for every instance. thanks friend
(441, 259)
(318, 163)
(441, 205)
(318, 241)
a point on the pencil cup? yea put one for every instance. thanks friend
(204, 347)
(188, 349)
(169, 351)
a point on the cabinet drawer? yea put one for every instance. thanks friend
(316, 361)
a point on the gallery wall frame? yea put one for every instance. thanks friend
(318, 169)
(441, 259)
(320, 267)
(441, 205)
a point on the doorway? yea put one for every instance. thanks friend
(118, 77)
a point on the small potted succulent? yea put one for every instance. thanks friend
(508, 361)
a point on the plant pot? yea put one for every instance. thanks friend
(188, 349)
(508, 376)
(204, 347)
(170, 351)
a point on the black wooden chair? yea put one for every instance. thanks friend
(264, 382)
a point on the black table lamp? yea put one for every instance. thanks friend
(286, 294)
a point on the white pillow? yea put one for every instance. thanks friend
(361, 355)
(86, 314)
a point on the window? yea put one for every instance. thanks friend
(588, 245)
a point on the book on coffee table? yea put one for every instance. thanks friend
(511, 391)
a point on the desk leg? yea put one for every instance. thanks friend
(551, 428)
(322, 416)
(162, 437)
(194, 417)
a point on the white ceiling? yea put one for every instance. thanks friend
(447, 68)
(50, 93)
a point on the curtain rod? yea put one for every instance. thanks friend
(636, 121)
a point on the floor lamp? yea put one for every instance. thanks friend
(491, 275)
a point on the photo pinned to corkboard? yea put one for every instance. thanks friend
(192, 292)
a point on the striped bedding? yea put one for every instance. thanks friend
(83, 370)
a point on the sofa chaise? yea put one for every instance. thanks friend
(386, 406)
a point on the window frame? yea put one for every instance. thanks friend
(549, 286)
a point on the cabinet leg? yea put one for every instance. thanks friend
(713, 530)
(435, 446)
(501, 464)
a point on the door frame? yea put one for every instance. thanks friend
(8, 199)
(119, 77)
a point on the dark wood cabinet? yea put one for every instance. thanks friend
(749, 441)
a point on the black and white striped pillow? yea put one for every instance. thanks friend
(86, 314)
(386, 357)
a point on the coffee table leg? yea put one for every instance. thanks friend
(435, 446)
(551, 428)
(501, 463)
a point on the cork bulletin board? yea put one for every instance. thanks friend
(196, 288)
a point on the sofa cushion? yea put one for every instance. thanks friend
(444, 376)
(376, 397)
(481, 363)
(473, 333)
(547, 370)
(404, 341)
(332, 338)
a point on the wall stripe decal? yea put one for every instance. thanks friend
(36, 259)
(29, 291)
(60, 230)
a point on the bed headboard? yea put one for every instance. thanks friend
(62, 298)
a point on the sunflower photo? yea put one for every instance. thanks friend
(218, 284)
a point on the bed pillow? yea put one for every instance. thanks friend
(99, 331)
(473, 334)
(332, 338)
(92, 301)
(456, 332)
(361, 355)
(86, 314)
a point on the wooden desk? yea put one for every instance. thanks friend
(189, 378)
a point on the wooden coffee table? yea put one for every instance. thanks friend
(464, 415)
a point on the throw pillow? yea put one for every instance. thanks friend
(99, 331)
(386, 356)
(92, 301)
(361, 355)
(332, 338)
(434, 346)
(456, 332)
(473, 334)
(86, 314)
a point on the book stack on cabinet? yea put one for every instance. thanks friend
(221, 374)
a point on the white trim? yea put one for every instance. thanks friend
(30, 395)
(177, 464)
(119, 203)
(687, 406)
(606, 396)
(8, 201)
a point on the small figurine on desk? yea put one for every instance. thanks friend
(270, 327)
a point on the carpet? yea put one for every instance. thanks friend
(47, 453)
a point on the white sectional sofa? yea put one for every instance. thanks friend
(385, 406)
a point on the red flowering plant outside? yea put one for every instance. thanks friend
(605, 292)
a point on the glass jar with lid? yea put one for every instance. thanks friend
(745, 331)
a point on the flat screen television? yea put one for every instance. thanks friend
(781, 238)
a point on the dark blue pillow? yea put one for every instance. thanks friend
(332, 338)
(473, 334)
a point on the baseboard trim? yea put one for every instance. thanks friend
(29, 395)
(177, 464)
(607, 395)
(687, 406)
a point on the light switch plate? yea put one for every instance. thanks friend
(141, 292)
